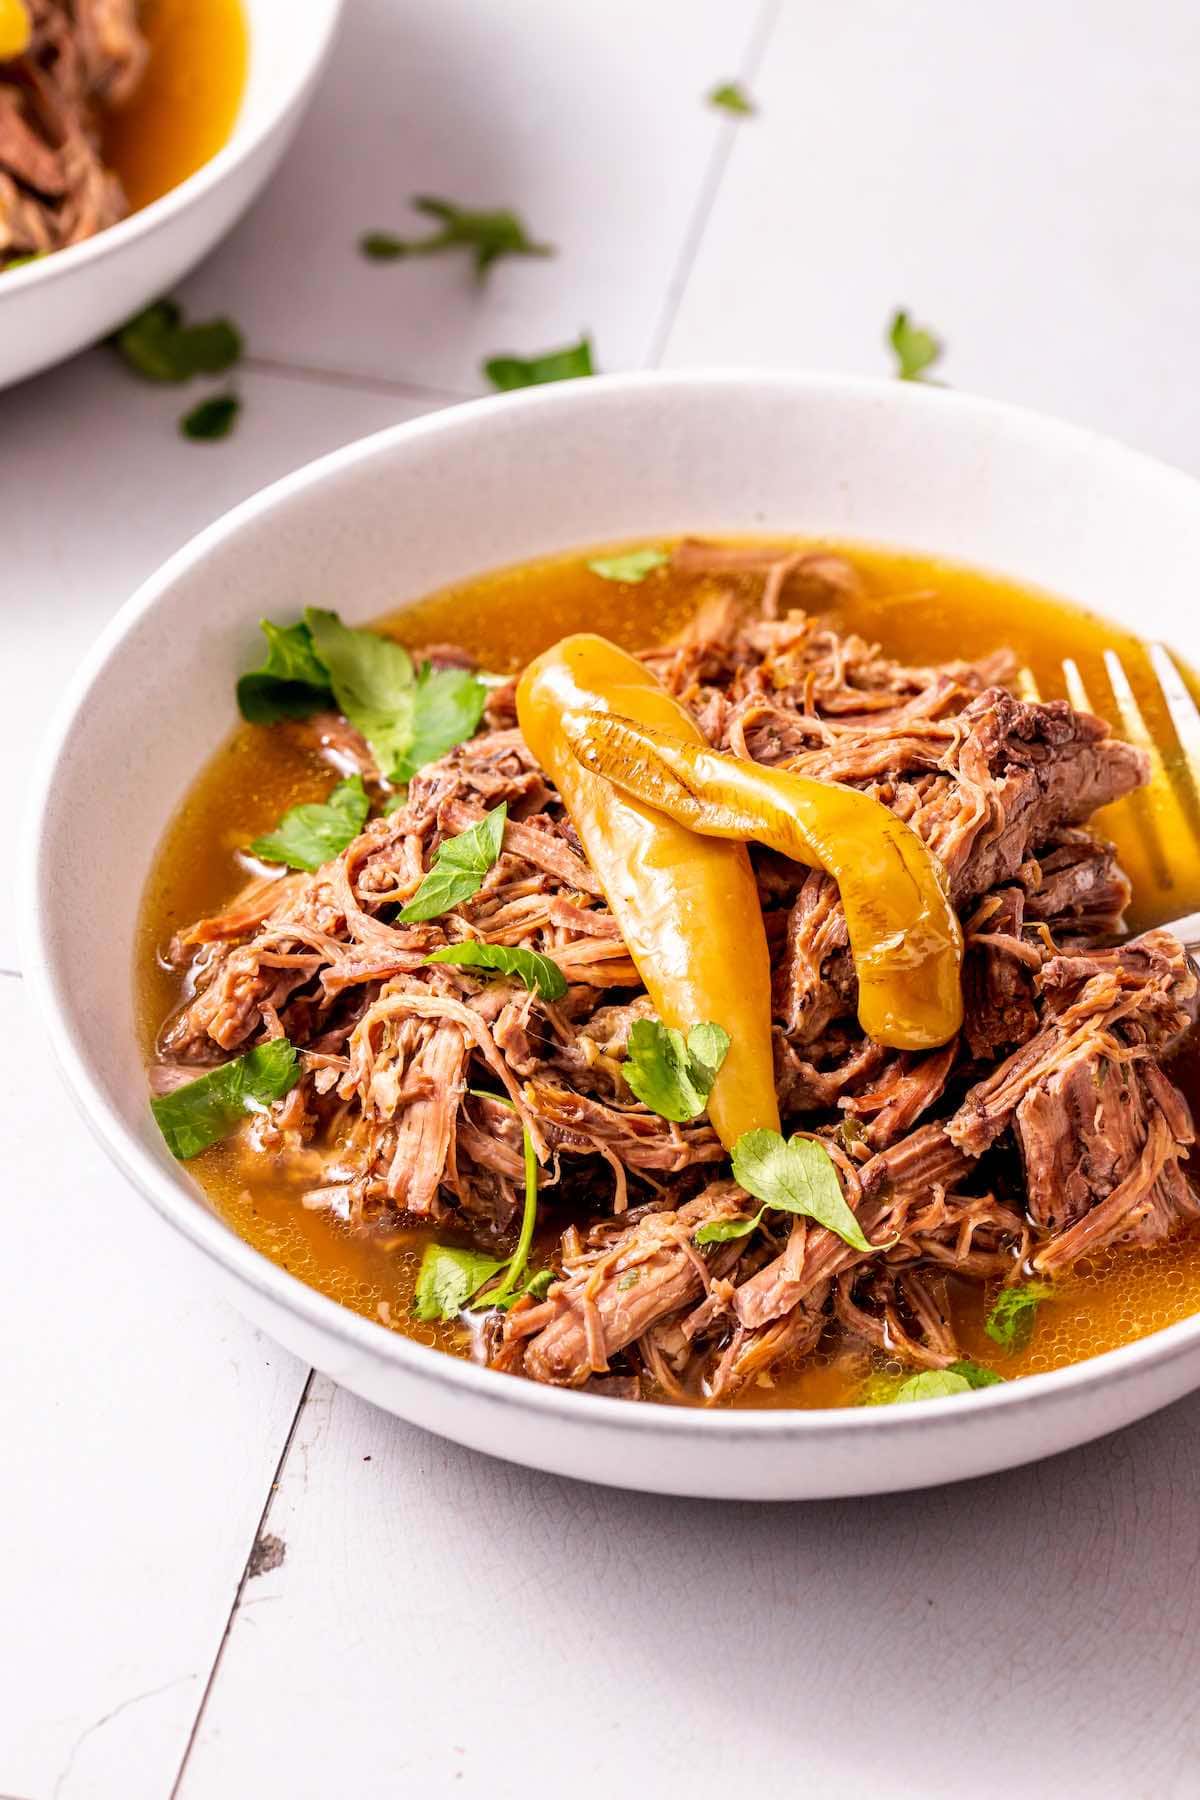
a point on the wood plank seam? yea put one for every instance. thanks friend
(347, 378)
(714, 174)
(272, 1490)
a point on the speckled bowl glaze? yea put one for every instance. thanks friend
(491, 483)
(51, 308)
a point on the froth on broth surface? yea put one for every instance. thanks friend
(186, 103)
(921, 610)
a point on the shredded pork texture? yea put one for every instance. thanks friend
(84, 56)
(1057, 1070)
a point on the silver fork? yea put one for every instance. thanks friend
(1157, 828)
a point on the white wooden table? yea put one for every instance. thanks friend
(1027, 179)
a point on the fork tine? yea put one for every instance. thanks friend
(1133, 723)
(1185, 715)
(1076, 692)
(1132, 824)
(1171, 812)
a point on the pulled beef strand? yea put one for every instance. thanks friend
(1058, 1059)
(55, 190)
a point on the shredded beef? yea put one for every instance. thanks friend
(84, 55)
(420, 1080)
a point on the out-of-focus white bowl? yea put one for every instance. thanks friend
(51, 308)
(491, 483)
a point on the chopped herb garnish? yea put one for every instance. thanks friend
(204, 1111)
(628, 1281)
(538, 973)
(1011, 1320)
(731, 97)
(487, 235)
(308, 836)
(850, 1133)
(506, 372)
(931, 1384)
(883, 1389)
(159, 346)
(447, 1279)
(292, 683)
(671, 1077)
(372, 678)
(797, 1176)
(916, 348)
(408, 718)
(20, 262)
(974, 1374)
(459, 867)
(632, 566)
(505, 1294)
(213, 418)
(447, 705)
(719, 1231)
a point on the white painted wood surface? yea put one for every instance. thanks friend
(1027, 182)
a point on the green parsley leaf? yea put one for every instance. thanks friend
(974, 1374)
(632, 565)
(308, 836)
(447, 705)
(292, 683)
(205, 1111)
(850, 1133)
(383, 246)
(1011, 1320)
(373, 681)
(797, 1176)
(916, 349)
(672, 1078)
(487, 235)
(536, 1287)
(507, 372)
(20, 262)
(505, 1295)
(160, 347)
(458, 869)
(732, 97)
(500, 1099)
(719, 1231)
(883, 1389)
(539, 974)
(213, 418)
(447, 1279)
(409, 719)
(930, 1384)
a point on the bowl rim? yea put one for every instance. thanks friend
(190, 1214)
(237, 148)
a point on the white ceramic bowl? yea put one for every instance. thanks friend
(491, 483)
(51, 308)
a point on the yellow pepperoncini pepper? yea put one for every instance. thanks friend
(904, 933)
(687, 906)
(16, 28)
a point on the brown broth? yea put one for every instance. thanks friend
(921, 610)
(187, 100)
